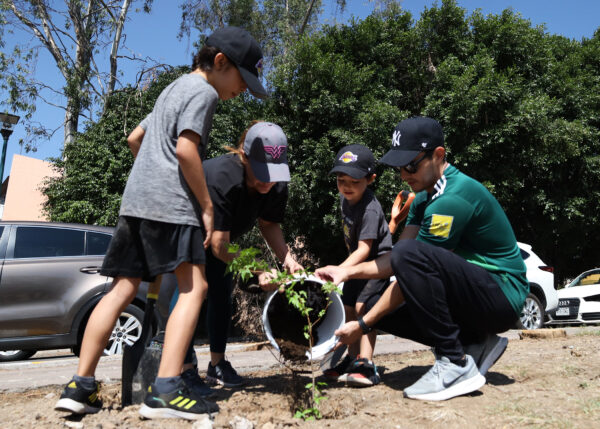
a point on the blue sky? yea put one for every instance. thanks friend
(155, 34)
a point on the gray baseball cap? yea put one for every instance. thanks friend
(265, 146)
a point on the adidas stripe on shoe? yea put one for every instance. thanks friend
(78, 400)
(180, 403)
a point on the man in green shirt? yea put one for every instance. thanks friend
(460, 275)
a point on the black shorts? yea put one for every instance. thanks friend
(359, 290)
(146, 248)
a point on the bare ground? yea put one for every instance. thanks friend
(545, 383)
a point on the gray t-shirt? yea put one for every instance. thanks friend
(365, 221)
(156, 188)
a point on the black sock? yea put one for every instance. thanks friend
(462, 362)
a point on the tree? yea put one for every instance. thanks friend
(73, 35)
(276, 24)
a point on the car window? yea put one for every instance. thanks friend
(97, 243)
(590, 279)
(41, 242)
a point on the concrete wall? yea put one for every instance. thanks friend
(24, 200)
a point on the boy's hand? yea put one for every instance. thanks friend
(265, 280)
(290, 264)
(332, 273)
(208, 221)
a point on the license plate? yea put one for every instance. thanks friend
(563, 311)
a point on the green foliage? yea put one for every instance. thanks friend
(245, 264)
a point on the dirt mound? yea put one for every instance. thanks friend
(545, 383)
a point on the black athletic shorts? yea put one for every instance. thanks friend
(359, 290)
(145, 248)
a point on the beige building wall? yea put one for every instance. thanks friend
(24, 200)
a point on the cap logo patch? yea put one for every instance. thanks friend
(275, 151)
(396, 138)
(348, 157)
(259, 66)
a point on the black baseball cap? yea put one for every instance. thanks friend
(265, 146)
(241, 48)
(412, 136)
(355, 160)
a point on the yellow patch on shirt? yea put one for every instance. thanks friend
(441, 225)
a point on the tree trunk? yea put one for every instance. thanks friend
(113, 52)
(71, 122)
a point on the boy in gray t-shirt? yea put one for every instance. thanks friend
(367, 236)
(159, 229)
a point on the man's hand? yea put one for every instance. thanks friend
(265, 280)
(349, 333)
(332, 273)
(290, 264)
(207, 220)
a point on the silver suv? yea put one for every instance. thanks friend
(49, 285)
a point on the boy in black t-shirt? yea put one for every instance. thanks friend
(367, 236)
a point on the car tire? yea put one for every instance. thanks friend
(11, 355)
(532, 315)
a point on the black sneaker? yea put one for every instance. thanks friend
(223, 374)
(362, 373)
(333, 374)
(77, 400)
(193, 381)
(180, 403)
(487, 352)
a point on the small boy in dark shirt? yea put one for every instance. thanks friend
(367, 236)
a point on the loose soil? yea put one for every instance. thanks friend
(545, 383)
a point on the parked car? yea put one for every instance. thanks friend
(579, 301)
(49, 285)
(542, 298)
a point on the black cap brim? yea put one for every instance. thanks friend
(253, 83)
(355, 173)
(398, 158)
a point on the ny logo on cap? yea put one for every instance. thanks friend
(396, 138)
(275, 151)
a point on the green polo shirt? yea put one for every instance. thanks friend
(463, 216)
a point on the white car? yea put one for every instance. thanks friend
(542, 298)
(579, 301)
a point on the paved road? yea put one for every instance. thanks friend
(57, 367)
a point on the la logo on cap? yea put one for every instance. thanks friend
(396, 138)
(348, 157)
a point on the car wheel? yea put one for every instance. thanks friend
(10, 355)
(532, 316)
(127, 330)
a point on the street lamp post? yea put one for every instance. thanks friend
(8, 123)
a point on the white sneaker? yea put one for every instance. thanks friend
(445, 380)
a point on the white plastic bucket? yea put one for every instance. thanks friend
(333, 319)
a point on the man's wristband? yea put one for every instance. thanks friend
(363, 326)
